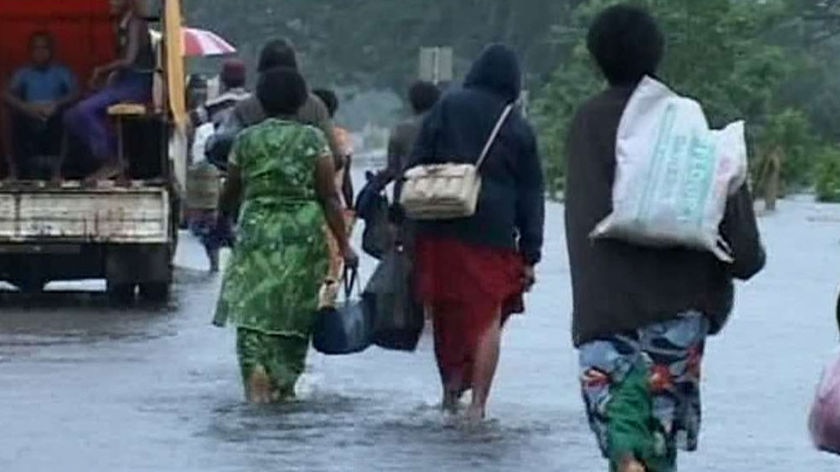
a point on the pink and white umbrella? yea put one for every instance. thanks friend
(199, 42)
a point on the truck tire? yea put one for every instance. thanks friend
(121, 294)
(155, 292)
(31, 287)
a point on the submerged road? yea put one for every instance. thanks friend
(87, 388)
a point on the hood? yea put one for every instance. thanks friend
(497, 70)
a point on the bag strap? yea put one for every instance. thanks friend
(349, 278)
(494, 135)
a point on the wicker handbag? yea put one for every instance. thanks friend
(446, 191)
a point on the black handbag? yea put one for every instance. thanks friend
(345, 328)
(376, 237)
(398, 319)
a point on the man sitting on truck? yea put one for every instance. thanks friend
(36, 97)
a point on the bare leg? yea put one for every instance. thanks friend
(213, 257)
(486, 361)
(260, 389)
(630, 464)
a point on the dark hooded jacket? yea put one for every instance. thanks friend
(511, 206)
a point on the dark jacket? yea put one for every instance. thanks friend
(249, 112)
(621, 287)
(511, 205)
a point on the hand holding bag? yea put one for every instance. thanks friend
(447, 191)
(343, 328)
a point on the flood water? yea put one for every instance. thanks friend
(87, 388)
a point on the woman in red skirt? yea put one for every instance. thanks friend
(472, 272)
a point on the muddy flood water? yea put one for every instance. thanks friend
(87, 388)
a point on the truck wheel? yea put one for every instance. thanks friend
(31, 287)
(121, 293)
(155, 292)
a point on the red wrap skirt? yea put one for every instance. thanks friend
(466, 287)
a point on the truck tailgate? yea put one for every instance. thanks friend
(109, 215)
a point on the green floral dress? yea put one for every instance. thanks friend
(271, 284)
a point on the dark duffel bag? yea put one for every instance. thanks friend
(345, 328)
(389, 301)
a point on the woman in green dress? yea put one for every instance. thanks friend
(283, 174)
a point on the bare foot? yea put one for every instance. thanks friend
(260, 387)
(451, 402)
(475, 415)
(630, 464)
(108, 171)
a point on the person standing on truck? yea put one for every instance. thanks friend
(36, 97)
(127, 79)
(284, 174)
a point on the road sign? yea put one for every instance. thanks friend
(437, 64)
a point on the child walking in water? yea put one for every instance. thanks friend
(128, 79)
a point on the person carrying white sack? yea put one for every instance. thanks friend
(642, 309)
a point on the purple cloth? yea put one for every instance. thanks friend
(88, 121)
(824, 421)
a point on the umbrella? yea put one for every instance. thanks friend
(199, 43)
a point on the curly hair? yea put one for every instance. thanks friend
(281, 91)
(277, 53)
(423, 96)
(627, 44)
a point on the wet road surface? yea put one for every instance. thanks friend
(88, 388)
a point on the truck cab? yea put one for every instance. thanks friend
(125, 234)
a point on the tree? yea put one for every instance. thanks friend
(717, 52)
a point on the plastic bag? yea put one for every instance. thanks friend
(389, 301)
(673, 174)
(824, 420)
(343, 328)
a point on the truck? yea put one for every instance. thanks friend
(125, 234)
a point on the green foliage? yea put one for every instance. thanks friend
(790, 133)
(828, 175)
(719, 52)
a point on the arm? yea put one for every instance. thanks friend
(12, 97)
(530, 201)
(740, 230)
(331, 203)
(135, 31)
(231, 196)
(396, 151)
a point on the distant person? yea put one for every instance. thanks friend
(232, 78)
(126, 80)
(422, 96)
(284, 173)
(472, 272)
(344, 142)
(208, 116)
(37, 96)
(641, 315)
(276, 53)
